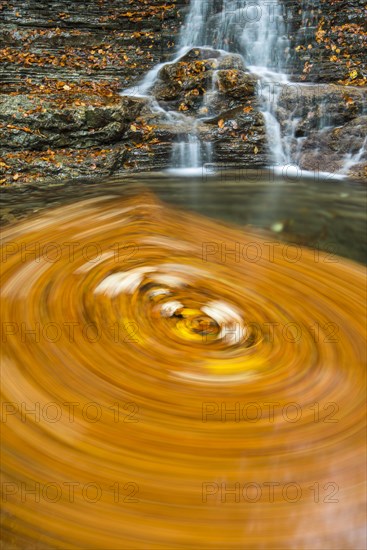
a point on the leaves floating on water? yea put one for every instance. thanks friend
(212, 358)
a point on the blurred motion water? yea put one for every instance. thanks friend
(173, 380)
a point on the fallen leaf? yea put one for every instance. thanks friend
(221, 123)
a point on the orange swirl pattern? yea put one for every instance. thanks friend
(183, 396)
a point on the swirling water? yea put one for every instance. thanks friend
(194, 383)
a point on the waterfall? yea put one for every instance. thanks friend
(193, 31)
(256, 31)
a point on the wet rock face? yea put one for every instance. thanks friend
(215, 89)
(327, 149)
(40, 133)
(39, 124)
(331, 121)
(240, 138)
(204, 82)
(320, 106)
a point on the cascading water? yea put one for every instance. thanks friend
(246, 29)
(352, 159)
(187, 152)
(257, 32)
(254, 31)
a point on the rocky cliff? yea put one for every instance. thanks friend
(64, 63)
(328, 41)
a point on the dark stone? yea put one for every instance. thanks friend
(317, 30)
(39, 124)
(320, 105)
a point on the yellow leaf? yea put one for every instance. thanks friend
(221, 123)
(353, 74)
(133, 128)
(256, 150)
